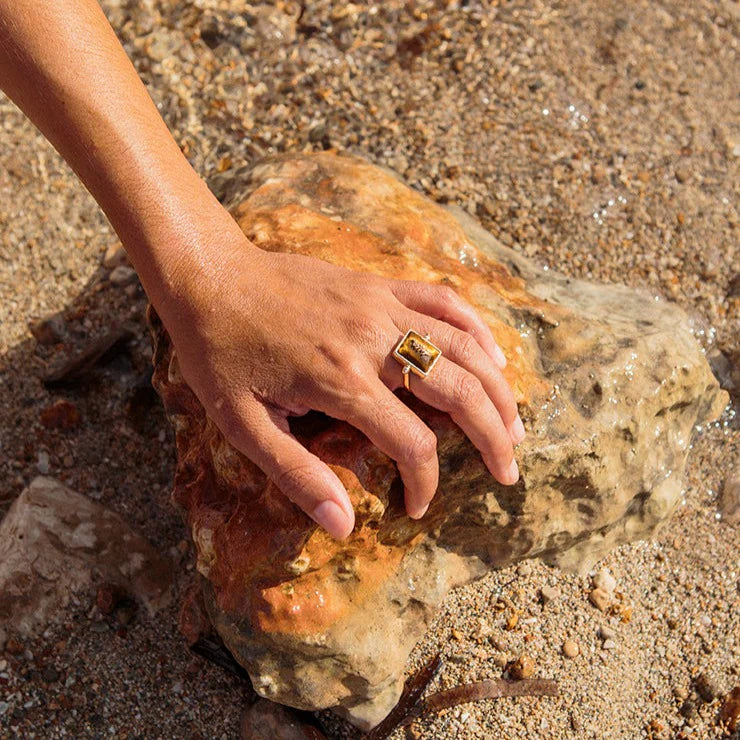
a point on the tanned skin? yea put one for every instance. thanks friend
(259, 335)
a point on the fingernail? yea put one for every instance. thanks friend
(332, 518)
(419, 514)
(517, 430)
(513, 472)
(500, 357)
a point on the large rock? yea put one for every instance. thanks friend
(609, 382)
(54, 542)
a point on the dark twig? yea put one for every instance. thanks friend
(412, 691)
(490, 689)
(217, 653)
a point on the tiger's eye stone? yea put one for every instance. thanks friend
(418, 351)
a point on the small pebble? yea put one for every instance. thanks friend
(522, 668)
(681, 693)
(48, 331)
(707, 687)
(500, 659)
(682, 173)
(13, 646)
(122, 275)
(42, 463)
(600, 599)
(570, 649)
(115, 256)
(609, 645)
(524, 569)
(605, 581)
(50, 674)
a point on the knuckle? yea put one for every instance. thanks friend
(463, 345)
(363, 328)
(422, 445)
(467, 389)
(294, 480)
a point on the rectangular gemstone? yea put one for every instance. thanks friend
(420, 352)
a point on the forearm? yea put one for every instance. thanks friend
(63, 66)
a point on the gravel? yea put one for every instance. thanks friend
(599, 138)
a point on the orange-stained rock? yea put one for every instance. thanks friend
(609, 382)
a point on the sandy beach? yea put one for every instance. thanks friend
(601, 139)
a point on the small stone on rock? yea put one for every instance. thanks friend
(549, 593)
(42, 463)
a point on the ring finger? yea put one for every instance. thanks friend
(461, 394)
(461, 348)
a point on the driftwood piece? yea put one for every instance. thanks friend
(410, 706)
(495, 688)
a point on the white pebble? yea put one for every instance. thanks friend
(42, 464)
(605, 580)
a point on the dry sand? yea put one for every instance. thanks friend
(600, 138)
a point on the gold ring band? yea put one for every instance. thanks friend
(417, 354)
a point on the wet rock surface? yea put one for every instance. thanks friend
(610, 384)
(55, 542)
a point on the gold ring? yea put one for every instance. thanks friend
(417, 354)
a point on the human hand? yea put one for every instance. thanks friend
(259, 335)
(278, 334)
